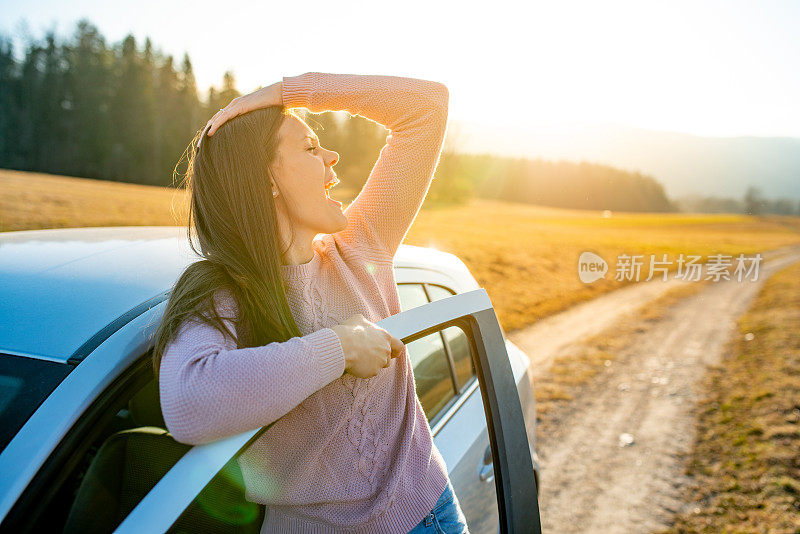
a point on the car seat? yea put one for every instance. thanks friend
(130, 462)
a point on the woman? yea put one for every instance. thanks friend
(276, 323)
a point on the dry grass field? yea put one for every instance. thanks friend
(30, 201)
(745, 462)
(525, 256)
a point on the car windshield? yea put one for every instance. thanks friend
(24, 384)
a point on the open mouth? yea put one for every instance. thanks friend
(330, 185)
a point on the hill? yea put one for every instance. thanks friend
(685, 164)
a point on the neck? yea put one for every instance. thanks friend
(298, 254)
(300, 250)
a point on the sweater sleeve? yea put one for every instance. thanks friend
(415, 112)
(210, 390)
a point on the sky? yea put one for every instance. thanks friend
(711, 68)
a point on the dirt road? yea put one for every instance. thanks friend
(615, 460)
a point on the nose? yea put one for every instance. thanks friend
(333, 158)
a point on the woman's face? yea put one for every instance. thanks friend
(302, 170)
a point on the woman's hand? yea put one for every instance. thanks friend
(263, 98)
(367, 347)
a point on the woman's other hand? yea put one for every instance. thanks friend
(263, 98)
(367, 347)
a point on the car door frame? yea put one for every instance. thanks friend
(514, 476)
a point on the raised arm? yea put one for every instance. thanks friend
(415, 112)
(210, 390)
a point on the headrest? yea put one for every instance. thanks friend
(145, 406)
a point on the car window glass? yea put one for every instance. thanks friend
(438, 292)
(24, 384)
(457, 341)
(431, 373)
(458, 344)
(411, 296)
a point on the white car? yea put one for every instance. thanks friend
(83, 443)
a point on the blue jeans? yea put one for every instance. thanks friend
(445, 518)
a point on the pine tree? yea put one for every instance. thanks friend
(10, 104)
(149, 165)
(88, 90)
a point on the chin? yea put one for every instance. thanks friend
(337, 226)
(342, 223)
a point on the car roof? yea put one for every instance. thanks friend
(60, 287)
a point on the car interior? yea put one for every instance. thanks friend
(143, 454)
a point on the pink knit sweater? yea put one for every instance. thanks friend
(346, 454)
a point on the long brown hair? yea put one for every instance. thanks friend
(233, 215)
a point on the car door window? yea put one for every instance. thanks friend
(411, 296)
(24, 384)
(429, 358)
(437, 292)
(457, 342)
(431, 373)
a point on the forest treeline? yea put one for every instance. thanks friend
(753, 202)
(562, 184)
(84, 108)
(126, 111)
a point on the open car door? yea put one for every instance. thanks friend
(514, 478)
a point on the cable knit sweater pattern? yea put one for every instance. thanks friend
(345, 454)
